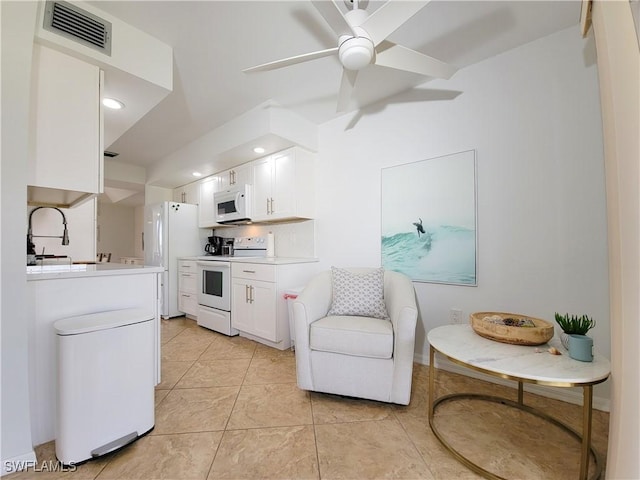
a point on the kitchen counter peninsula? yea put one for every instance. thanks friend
(259, 260)
(60, 271)
(60, 291)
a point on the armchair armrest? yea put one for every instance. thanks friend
(312, 304)
(400, 299)
(314, 301)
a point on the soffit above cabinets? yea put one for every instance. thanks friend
(268, 125)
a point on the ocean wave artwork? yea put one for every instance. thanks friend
(443, 253)
(428, 219)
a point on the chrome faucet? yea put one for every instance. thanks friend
(31, 248)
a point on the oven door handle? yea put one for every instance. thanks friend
(214, 265)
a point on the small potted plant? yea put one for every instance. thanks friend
(573, 324)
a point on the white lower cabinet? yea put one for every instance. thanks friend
(254, 308)
(188, 287)
(259, 310)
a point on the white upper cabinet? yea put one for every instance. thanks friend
(236, 176)
(283, 186)
(206, 209)
(189, 193)
(68, 124)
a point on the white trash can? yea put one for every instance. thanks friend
(106, 380)
(290, 295)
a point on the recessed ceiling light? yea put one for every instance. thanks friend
(258, 150)
(112, 103)
(196, 174)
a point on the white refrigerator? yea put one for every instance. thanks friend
(170, 232)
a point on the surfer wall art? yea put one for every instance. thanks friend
(429, 219)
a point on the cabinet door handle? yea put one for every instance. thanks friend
(246, 293)
(248, 271)
(271, 206)
(250, 294)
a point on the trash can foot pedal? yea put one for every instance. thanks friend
(114, 445)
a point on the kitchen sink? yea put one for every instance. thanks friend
(56, 268)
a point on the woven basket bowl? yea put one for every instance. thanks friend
(541, 333)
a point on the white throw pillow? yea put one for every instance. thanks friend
(360, 294)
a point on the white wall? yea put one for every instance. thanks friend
(116, 230)
(532, 115)
(153, 194)
(18, 23)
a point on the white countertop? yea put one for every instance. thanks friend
(530, 363)
(260, 260)
(49, 272)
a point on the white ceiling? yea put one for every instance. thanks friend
(213, 41)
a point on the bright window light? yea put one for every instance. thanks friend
(112, 103)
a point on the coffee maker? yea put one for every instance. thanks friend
(214, 247)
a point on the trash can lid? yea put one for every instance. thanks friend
(94, 322)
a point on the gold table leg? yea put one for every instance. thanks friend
(585, 438)
(521, 393)
(432, 381)
(587, 410)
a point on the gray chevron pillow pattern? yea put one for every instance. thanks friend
(360, 294)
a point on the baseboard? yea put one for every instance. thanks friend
(569, 395)
(21, 462)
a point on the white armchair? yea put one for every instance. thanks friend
(356, 356)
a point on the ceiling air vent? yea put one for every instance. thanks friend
(77, 24)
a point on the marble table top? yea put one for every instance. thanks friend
(532, 364)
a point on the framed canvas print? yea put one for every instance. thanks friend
(429, 219)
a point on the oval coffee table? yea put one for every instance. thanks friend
(524, 364)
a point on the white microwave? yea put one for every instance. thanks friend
(234, 205)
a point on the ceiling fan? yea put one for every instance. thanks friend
(362, 42)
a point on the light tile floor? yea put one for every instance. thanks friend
(229, 408)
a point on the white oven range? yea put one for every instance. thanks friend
(214, 291)
(214, 296)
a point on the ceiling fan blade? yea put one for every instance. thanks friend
(346, 89)
(291, 60)
(390, 55)
(333, 16)
(389, 17)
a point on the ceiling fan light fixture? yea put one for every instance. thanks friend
(362, 41)
(356, 53)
